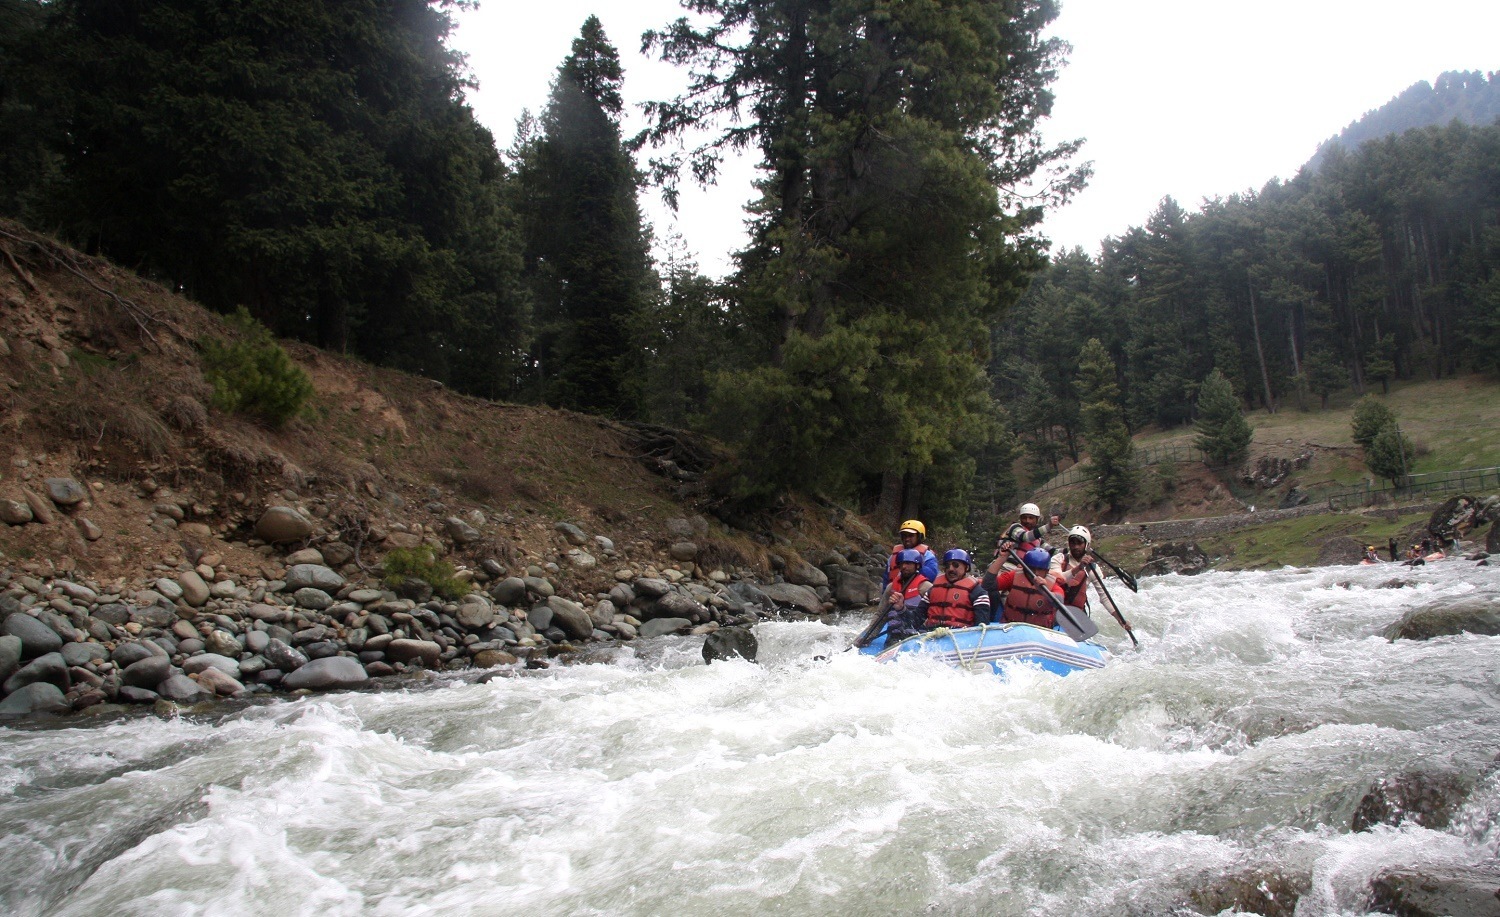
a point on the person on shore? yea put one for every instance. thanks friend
(1070, 567)
(912, 533)
(1392, 547)
(1026, 600)
(957, 598)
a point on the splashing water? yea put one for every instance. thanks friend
(1237, 743)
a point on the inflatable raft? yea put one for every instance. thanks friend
(994, 646)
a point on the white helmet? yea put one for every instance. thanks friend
(1079, 531)
(1030, 509)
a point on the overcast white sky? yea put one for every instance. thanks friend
(1189, 98)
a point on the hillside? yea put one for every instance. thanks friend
(1454, 424)
(1470, 97)
(103, 383)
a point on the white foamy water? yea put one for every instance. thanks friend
(1237, 742)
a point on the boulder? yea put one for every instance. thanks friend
(222, 643)
(197, 664)
(651, 588)
(1340, 551)
(510, 591)
(15, 512)
(10, 656)
(683, 551)
(729, 643)
(314, 599)
(572, 533)
(221, 683)
(281, 655)
(183, 690)
(423, 651)
(147, 673)
(660, 627)
(42, 510)
(312, 576)
(38, 697)
(751, 594)
(798, 597)
(78, 653)
(283, 525)
(460, 532)
(854, 587)
(1469, 615)
(327, 674)
(1184, 558)
(1434, 890)
(1424, 797)
(194, 589)
(65, 491)
(571, 617)
(486, 659)
(37, 639)
(1455, 518)
(49, 668)
(674, 605)
(474, 614)
(127, 654)
(1492, 539)
(801, 573)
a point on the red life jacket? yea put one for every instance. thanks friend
(910, 591)
(893, 569)
(1028, 604)
(951, 604)
(1074, 596)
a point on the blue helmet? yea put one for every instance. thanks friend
(1037, 559)
(910, 556)
(959, 554)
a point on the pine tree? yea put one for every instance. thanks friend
(587, 250)
(880, 246)
(1370, 417)
(1111, 452)
(1223, 434)
(1389, 454)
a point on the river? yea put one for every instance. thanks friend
(1233, 747)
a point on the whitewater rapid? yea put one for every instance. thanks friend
(1238, 741)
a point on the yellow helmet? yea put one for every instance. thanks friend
(912, 525)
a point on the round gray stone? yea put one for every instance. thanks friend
(83, 653)
(38, 697)
(316, 576)
(49, 668)
(203, 661)
(147, 673)
(281, 525)
(183, 690)
(37, 639)
(327, 674)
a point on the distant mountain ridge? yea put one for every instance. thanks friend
(1472, 97)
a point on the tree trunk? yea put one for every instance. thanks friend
(1260, 353)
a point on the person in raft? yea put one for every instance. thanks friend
(1025, 600)
(903, 597)
(957, 598)
(1022, 536)
(912, 532)
(1070, 568)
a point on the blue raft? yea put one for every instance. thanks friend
(997, 645)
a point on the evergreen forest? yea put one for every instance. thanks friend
(896, 332)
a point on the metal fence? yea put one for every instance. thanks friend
(1153, 455)
(1473, 480)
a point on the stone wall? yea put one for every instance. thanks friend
(1179, 529)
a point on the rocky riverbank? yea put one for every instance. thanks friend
(307, 614)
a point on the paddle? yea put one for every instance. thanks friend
(1125, 578)
(1063, 610)
(1114, 610)
(872, 630)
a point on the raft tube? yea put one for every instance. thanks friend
(994, 646)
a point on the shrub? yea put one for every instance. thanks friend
(423, 563)
(1370, 417)
(253, 375)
